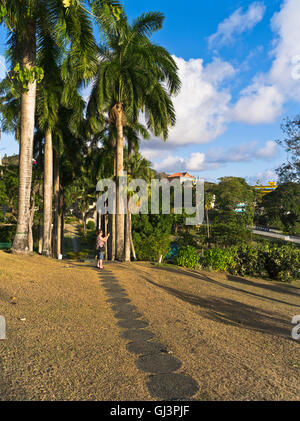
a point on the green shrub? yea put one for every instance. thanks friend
(279, 262)
(91, 225)
(7, 233)
(248, 260)
(229, 234)
(185, 238)
(220, 260)
(83, 254)
(187, 257)
(150, 248)
(72, 255)
(282, 263)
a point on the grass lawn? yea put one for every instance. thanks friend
(232, 334)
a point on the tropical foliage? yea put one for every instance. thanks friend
(52, 54)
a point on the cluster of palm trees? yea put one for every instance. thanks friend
(130, 78)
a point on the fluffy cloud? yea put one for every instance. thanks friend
(174, 163)
(242, 153)
(170, 164)
(237, 23)
(216, 158)
(204, 107)
(287, 49)
(262, 177)
(202, 104)
(196, 161)
(270, 150)
(263, 100)
(258, 104)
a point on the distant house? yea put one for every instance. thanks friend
(182, 177)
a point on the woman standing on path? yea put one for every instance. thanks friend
(100, 248)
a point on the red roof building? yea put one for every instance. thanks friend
(182, 176)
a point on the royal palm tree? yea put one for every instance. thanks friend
(134, 76)
(27, 22)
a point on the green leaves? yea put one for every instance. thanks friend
(3, 12)
(116, 11)
(187, 258)
(25, 76)
(279, 262)
(219, 260)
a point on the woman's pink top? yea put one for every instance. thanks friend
(100, 242)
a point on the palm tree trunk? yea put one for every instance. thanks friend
(59, 233)
(30, 224)
(127, 236)
(130, 237)
(113, 216)
(62, 219)
(35, 190)
(207, 224)
(28, 101)
(128, 232)
(56, 231)
(48, 193)
(120, 225)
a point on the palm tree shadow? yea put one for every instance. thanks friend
(234, 313)
(273, 288)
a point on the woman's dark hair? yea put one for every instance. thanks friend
(99, 232)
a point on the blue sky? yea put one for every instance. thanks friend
(239, 65)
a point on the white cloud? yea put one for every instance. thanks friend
(263, 100)
(196, 161)
(287, 48)
(258, 104)
(262, 177)
(237, 23)
(202, 104)
(151, 154)
(170, 164)
(243, 153)
(204, 107)
(270, 150)
(216, 157)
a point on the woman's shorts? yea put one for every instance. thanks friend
(100, 254)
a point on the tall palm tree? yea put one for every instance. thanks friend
(48, 101)
(26, 22)
(134, 76)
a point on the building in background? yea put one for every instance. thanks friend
(182, 177)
